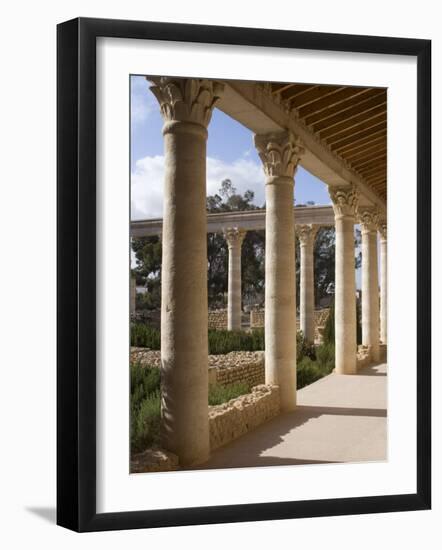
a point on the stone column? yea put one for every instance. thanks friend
(280, 154)
(306, 234)
(368, 218)
(344, 205)
(234, 238)
(383, 257)
(186, 106)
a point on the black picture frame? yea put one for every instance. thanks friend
(76, 273)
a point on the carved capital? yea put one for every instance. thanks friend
(345, 200)
(234, 236)
(368, 217)
(186, 99)
(306, 234)
(382, 228)
(280, 153)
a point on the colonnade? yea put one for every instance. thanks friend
(186, 106)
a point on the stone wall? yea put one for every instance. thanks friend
(153, 460)
(238, 416)
(256, 318)
(150, 317)
(228, 369)
(218, 319)
(235, 367)
(321, 316)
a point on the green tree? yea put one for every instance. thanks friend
(226, 200)
(147, 272)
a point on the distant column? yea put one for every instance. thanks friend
(234, 238)
(345, 200)
(368, 219)
(383, 283)
(307, 234)
(186, 106)
(280, 153)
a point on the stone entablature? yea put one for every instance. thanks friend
(249, 220)
(243, 414)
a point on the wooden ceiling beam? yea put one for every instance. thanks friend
(297, 90)
(339, 141)
(366, 152)
(363, 144)
(368, 171)
(281, 88)
(368, 161)
(367, 97)
(326, 102)
(310, 96)
(351, 115)
(355, 125)
(378, 180)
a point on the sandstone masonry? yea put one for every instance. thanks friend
(238, 416)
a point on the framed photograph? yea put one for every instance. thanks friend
(243, 274)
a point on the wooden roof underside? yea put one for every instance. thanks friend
(351, 121)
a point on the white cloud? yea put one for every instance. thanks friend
(147, 188)
(147, 182)
(142, 100)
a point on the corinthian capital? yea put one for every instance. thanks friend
(306, 234)
(186, 99)
(344, 199)
(234, 236)
(382, 228)
(368, 217)
(280, 153)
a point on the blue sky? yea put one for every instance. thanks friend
(230, 154)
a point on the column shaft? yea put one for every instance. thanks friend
(185, 105)
(344, 203)
(383, 284)
(280, 155)
(370, 287)
(234, 239)
(280, 290)
(184, 346)
(307, 288)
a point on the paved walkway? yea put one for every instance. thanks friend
(339, 419)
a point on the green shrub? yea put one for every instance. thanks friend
(145, 336)
(225, 341)
(221, 394)
(329, 329)
(325, 357)
(145, 423)
(144, 406)
(143, 381)
(303, 347)
(307, 372)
